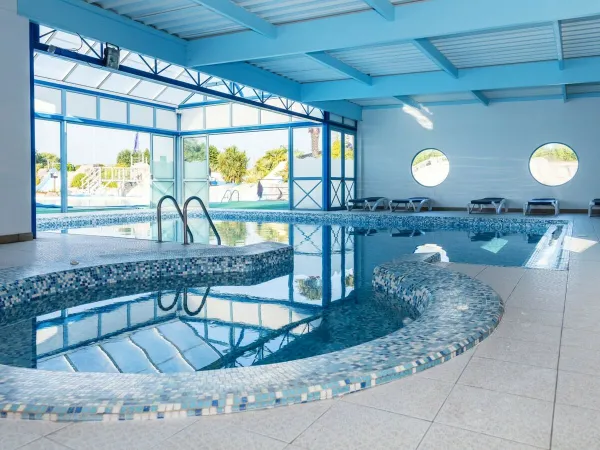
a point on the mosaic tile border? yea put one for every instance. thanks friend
(357, 219)
(457, 313)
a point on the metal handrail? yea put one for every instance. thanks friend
(230, 198)
(185, 302)
(210, 222)
(159, 218)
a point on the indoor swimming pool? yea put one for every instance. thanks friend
(192, 328)
(534, 244)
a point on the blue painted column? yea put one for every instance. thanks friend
(64, 175)
(326, 158)
(326, 258)
(34, 36)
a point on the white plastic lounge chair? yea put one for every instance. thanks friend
(552, 202)
(491, 202)
(595, 203)
(367, 203)
(414, 203)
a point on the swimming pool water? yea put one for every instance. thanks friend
(196, 328)
(539, 248)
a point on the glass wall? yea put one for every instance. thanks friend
(108, 139)
(122, 153)
(107, 167)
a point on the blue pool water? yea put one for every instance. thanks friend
(193, 328)
(324, 304)
(317, 246)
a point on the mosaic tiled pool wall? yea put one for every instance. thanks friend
(457, 312)
(358, 219)
(45, 304)
(231, 260)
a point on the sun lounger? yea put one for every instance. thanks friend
(412, 203)
(362, 232)
(484, 236)
(396, 232)
(367, 203)
(595, 203)
(490, 202)
(551, 202)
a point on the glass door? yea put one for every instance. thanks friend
(342, 168)
(196, 172)
(163, 167)
(196, 180)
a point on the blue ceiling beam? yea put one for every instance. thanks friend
(96, 23)
(481, 97)
(559, 44)
(414, 21)
(257, 78)
(408, 101)
(341, 67)
(383, 7)
(438, 58)
(563, 91)
(510, 76)
(241, 16)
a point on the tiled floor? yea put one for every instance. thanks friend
(533, 384)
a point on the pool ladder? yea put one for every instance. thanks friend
(188, 237)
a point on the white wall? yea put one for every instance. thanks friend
(488, 149)
(15, 147)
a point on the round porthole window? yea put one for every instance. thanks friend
(430, 167)
(553, 164)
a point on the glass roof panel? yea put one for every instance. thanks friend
(147, 89)
(196, 98)
(58, 69)
(173, 95)
(119, 83)
(87, 76)
(134, 60)
(53, 68)
(185, 77)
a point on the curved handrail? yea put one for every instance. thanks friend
(159, 217)
(210, 222)
(159, 301)
(185, 302)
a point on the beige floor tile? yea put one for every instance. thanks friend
(450, 438)
(575, 428)
(349, 426)
(449, 371)
(577, 389)
(506, 416)
(582, 339)
(511, 378)
(283, 423)
(119, 435)
(202, 436)
(578, 359)
(529, 331)
(513, 350)
(549, 318)
(416, 397)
